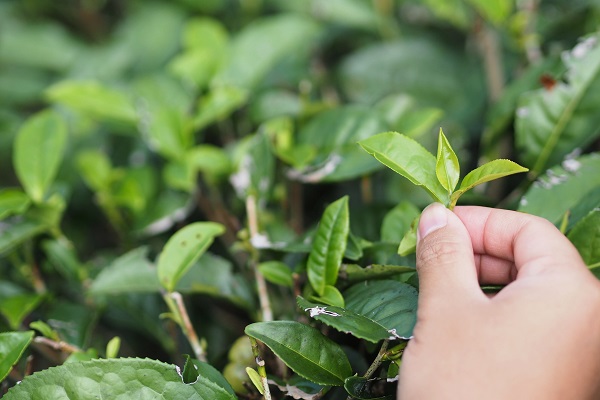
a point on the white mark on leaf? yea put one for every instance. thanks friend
(396, 336)
(314, 311)
(318, 174)
(522, 112)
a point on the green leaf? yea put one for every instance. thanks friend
(94, 100)
(210, 160)
(562, 188)
(13, 201)
(255, 378)
(305, 350)
(276, 272)
(209, 376)
(183, 249)
(130, 273)
(169, 132)
(190, 373)
(12, 347)
(496, 11)
(398, 221)
(255, 169)
(331, 296)
(345, 320)
(218, 104)
(409, 159)
(408, 244)
(328, 246)
(585, 235)
(16, 308)
(112, 347)
(550, 123)
(61, 255)
(19, 232)
(392, 304)
(487, 172)
(447, 168)
(360, 388)
(45, 329)
(353, 273)
(96, 169)
(38, 152)
(125, 378)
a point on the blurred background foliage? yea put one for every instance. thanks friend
(178, 111)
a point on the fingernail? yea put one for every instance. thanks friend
(433, 218)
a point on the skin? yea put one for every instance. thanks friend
(537, 338)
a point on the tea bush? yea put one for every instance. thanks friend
(194, 194)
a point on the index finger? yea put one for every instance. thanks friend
(519, 238)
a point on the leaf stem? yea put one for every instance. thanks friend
(176, 305)
(377, 361)
(57, 345)
(261, 368)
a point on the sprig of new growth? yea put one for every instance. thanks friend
(438, 175)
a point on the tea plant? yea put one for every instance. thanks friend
(194, 201)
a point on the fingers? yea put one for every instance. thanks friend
(517, 240)
(445, 261)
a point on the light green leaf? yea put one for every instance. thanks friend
(94, 100)
(408, 244)
(218, 104)
(447, 168)
(551, 123)
(331, 296)
(409, 159)
(38, 152)
(345, 320)
(112, 347)
(169, 132)
(487, 172)
(45, 329)
(210, 160)
(117, 378)
(390, 303)
(255, 378)
(562, 188)
(16, 308)
(12, 347)
(130, 273)
(398, 221)
(96, 169)
(585, 235)
(13, 201)
(328, 246)
(276, 272)
(496, 11)
(305, 350)
(183, 249)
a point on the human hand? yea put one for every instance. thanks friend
(537, 338)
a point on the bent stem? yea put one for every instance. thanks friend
(176, 305)
(376, 362)
(261, 368)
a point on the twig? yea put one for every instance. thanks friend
(57, 345)
(376, 362)
(261, 368)
(175, 303)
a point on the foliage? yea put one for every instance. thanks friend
(202, 177)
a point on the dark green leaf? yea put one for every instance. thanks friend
(392, 304)
(210, 376)
(16, 308)
(132, 272)
(129, 378)
(276, 272)
(38, 152)
(353, 273)
(345, 320)
(360, 388)
(585, 235)
(447, 168)
(183, 249)
(13, 201)
(61, 255)
(12, 346)
(190, 373)
(550, 123)
(17, 233)
(305, 350)
(328, 246)
(561, 188)
(409, 159)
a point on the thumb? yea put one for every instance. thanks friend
(445, 261)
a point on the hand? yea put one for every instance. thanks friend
(537, 338)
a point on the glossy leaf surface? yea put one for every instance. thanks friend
(12, 346)
(183, 249)
(38, 152)
(409, 159)
(447, 168)
(114, 378)
(360, 388)
(305, 350)
(328, 246)
(345, 320)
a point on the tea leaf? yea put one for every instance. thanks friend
(18, 232)
(353, 273)
(13, 201)
(328, 246)
(129, 378)
(408, 158)
(12, 346)
(345, 320)
(16, 308)
(487, 172)
(447, 168)
(331, 296)
(276, 272)
(360, 388)
(209, 376)
(392, 304)
(305, 350)
(398, 221)
(255, 378)
(408, 244)
(550, 123)
(183, 249)
(585, 235)
(38, 152)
